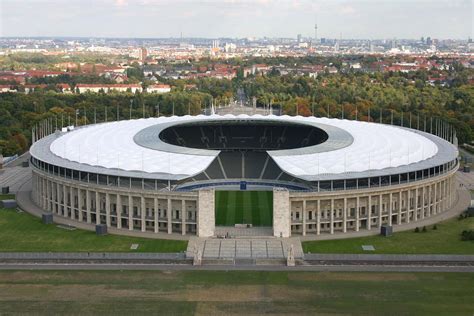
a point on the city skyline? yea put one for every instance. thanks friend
(237, 19)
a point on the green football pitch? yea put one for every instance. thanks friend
(244, 207)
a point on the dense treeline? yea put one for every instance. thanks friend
(20, 112)
(348, 95)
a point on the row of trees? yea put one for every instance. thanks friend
(368, 97)
(19, 113)
(373, 97)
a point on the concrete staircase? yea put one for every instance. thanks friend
(248, 251)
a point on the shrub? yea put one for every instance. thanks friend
(467, 235)
(417, 230)
(435, 227)
(424, 229)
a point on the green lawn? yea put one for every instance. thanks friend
(445, 240)
(7, 197)
(24, 232)
(244, 207)
(235, 292)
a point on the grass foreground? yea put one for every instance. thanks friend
(446, 239)
(244, 207)
(235, 292)
(23, 232)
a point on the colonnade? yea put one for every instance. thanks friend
(145, 211)
(345, 211)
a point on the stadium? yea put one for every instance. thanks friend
(209, 175)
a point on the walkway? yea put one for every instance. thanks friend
(14, 175)
(243, 232)
(244, 248)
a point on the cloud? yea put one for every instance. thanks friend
(348, 10)
(237, 18)
(121, 3)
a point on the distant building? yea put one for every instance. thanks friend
(229, 47)
(83, 88)
(33, 87)
(158, 88)
(6, 88)
(142, 53)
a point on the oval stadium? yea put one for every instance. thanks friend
(209, 175)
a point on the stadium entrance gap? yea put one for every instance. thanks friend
(244, 207)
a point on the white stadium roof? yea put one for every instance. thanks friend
(373, 147)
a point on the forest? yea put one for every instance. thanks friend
(376, 97)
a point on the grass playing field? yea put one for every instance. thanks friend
(244, 207)
(235, 293)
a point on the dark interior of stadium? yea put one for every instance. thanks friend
(243, 146)
(243, 135)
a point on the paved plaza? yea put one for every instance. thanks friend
(14, 177)
(466, 179)
(243, 232)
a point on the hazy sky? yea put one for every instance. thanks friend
(370, 19)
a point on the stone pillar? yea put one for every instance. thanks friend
(41, 191)
(119, 211)
(429, 201)
(399, 217)
(206, 222)
(357, 227)
(143, 213)
(48, 192)
(318, 218)
(97, 207)
(45, 194)
(107, 209)
(65, 201)
(332, 216)
(130, 212)
(443, 195)
(380, 210)
(80, 203)
(344, 216)
(170, 216)
(390, 206)
(304, 217)
(72, 202)
(54, 193)
(369, 213)
(183, 217)
(452, 190)
(408, 206)
(415, 214)
(422, 202)
(436, 198)
(88, 206)
(155, 211)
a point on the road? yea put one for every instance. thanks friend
(185, 267)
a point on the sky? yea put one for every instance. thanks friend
(365, 19)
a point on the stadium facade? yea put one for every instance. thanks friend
(328, 176)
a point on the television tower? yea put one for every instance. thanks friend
(315, 32)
